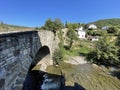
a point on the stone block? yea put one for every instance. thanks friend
(2, 63)
(16, 52)
(16, 87)
(2, 83)
(22, 75)
(19, 81)
(10, 66)
(2, 73)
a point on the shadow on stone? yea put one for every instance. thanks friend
(116, 74)
(42, 52)
(38, 80)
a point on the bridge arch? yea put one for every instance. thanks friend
(34, 75)
(47, 39)
(41, 53)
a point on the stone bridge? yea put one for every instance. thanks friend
(17, 51)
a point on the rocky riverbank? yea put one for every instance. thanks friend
(88, 76)
(76, 60)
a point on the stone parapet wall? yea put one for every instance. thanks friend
(17, 51)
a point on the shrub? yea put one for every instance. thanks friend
(112, 30)
(105, 53)
(58, 56)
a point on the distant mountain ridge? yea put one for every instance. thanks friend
(107, 22)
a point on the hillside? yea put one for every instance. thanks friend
(7, 27)
(107, 22)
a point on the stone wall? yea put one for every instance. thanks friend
(46, 38)
(17, 51)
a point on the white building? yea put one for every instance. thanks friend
(92, 26)
(92, 38)
(105, 27)
(95, 39)
(81, 32)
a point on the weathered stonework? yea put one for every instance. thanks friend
(17, 51)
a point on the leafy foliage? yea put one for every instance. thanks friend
(58, 56)
(96, 33)
(72, 37)
(105, 53)
(53, 25)
(112, 30)
(60, 36)
(72, 25)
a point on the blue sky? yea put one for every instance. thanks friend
(35, 12)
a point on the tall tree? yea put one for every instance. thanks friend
(72, 37)
(53, 25)
(58, 24)
(49, 24)
(72, 25)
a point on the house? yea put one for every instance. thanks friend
(81, 32)
(105, 27)
(93, 38)
(92, 26)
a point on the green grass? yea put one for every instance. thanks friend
(82, 48)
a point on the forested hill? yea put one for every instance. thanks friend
(8, 27)
(107, 22)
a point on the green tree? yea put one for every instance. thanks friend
(112, 30)
(105, 53)
(58, 24)
(53, 25)
(60, 36)
(96, 33)
(49, 25)
(58, 56)
(72, 37)
(72, 25)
